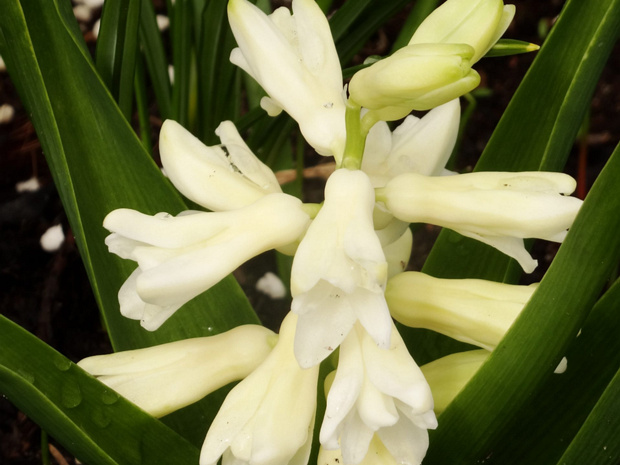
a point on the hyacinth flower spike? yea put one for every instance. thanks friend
(294, 59)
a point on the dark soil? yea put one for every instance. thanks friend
(49, 293)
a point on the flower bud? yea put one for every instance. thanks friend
(474, 311)
(167, 377)
(497, 208)
(416, 77)
(478, 23)
(448, 375)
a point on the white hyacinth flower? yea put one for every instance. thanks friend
(168, 377)
(219, 178)
(339, 271)
(268, 418)
(294, 59)
(378, 391)
(418, 145)
(497, 208)
(474, 311)
(478, 23)
(181, 257)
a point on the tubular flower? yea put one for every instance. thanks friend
(378, 391)
(165, 378)
(267, 419)
(499, 209)
(448, 375)
(339, 271)
(474, 311)
(416, 77)
(478, 23)
(219, 178)
(418, 145)
(181, 257)
(293, 57)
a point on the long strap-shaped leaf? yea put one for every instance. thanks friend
(560, 407)
(533, 346)
(540, 124)
(93, 422)
(117, 45)
(597, 442)
(99, 165)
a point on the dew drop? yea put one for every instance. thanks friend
(109, 397)
(71, 395)
(62, 363)
(101, 418)
(26, 375)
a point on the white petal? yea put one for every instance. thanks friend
(203, 174)
(406, 442)
(315, 340)
(511, 246)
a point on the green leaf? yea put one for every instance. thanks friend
(155, 58)
(597, 442)
(525, 358)
(117, 46)
(350, 36)
(182, 50)
(220, 81)
(93, 422)
(420, 10)
(593, 358)
(99, 165)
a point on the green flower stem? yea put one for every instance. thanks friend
(312, 209)
(356, 138)
(380, 195)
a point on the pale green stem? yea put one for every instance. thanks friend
(356, 138)
(380, 195)
(311, 209)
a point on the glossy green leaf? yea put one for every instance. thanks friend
(98, 165)
(182, 50)
(597, 442)
(220, 81)
(526, 357)
(350, 37)
(540, 124)
(558, 411)
(117, 46)
(155, 58)
(86, 416)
